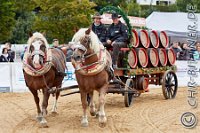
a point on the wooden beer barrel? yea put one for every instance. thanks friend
(132, 58)
(144, 38)
(164, 39)
(154, 38)
(162, 56)
(171, 57)
(142, 83)
(153, 57)
(142, 57)
(135, 38)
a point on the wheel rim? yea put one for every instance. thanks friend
(128, 97)
(170, 84)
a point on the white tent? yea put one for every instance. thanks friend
(171, 21)
(175, 23)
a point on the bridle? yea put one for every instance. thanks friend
(81, 59)
(82, 45)
(38, 52)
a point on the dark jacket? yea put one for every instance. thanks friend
(118, 33)
(184, 55)
(100, 31)
(5, 59)
(11, 55)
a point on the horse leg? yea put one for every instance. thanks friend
(45, 101)
(92, 105)
(55, 103)
(102, 115)
(37, 100)
(84, 121)
(43, 122)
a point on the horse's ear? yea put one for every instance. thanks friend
(44, 33)
(30, 34)
(87, 32)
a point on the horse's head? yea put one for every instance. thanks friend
(85, 43)
(81, 45)
(37, 47)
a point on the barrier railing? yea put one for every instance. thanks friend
(12, 79)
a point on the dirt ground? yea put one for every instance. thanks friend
(150, 113)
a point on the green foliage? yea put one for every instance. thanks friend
(7, 20)
(132, 9)
(104, 3)
(60, 18)
(147, 9)
(182, 4)
(24, 20)
(22, 28)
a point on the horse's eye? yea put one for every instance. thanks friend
(43, 48)
(31, 49)
(77, 58)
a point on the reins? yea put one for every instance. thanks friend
(89, 65)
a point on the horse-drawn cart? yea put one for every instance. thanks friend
(147, 60)
(137, 80)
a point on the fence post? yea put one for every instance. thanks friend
(11, 78)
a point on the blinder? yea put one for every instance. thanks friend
(79, 58)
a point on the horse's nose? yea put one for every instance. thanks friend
(36, 61)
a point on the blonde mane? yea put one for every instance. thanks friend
(37, 35)
(95, 42)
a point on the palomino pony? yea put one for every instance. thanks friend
(92, 69)
(43, 68)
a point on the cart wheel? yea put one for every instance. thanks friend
(169, 84)
(128, 97)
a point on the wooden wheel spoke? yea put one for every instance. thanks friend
(128, 97)
(169, 86)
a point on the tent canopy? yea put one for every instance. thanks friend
(174, 23)
(171, 21)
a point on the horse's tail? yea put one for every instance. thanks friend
(109, 68)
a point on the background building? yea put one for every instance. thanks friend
(155, 2)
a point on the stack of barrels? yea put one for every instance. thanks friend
(150, 49)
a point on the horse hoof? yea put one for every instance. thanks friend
(84, 122)
(102, 125)
(54, 112)
(102, 121)
(43, 124)
(93, 113)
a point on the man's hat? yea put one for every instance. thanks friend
(55, 40)
(115, 15)
(97, 15)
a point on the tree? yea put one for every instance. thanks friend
(132, 8)
(182, 4)
(60, 18)
(22, 28)
(7, 20)
(24, 20)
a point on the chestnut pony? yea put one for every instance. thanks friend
(43, 68)
(92, 69)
